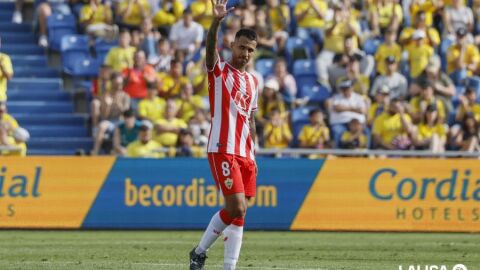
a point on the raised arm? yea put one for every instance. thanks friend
(219, 13)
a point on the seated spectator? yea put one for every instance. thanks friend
(168, 128)
(419, 104)
(107, 110)
(380, 104)
(336, 32)
(268, 100)
(121, 57)
(419, 53)
(188, 103)
(468, 105)
(163, 57)
(144, 146)
(17, 13)
(427, 8)
(148, 39)
(462, 58)
(466, 138)
(279, 19)
(202, 11)
(200, 127)
(457, 16)
(354, 137)
(131, 13)
(384, 15)
(266, 43)
(152, 108)
(96, 19)
(393, 129)
(186, 35)
(286, 81)
(6, 73)
(7, 121)
(311, 18)
(442, 85)
(137, 78)
(126, 132)
(246, 11)
(198, 75)
(186, 146)
(397, 83)
(432, 36)
(361, 83)
(169, 12)
(233, 24)
(432, 133)
(343, 107)
(251, 69)
(16, 142)
(43, 9)
(389, 48)
(276, 133)
(102, 84)
(170, 84)
(316, 134)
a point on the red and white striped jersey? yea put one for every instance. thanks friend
(233, 98)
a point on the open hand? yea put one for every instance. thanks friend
(220, 9)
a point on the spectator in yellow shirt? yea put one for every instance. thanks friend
(385, 15)
(393, 129)
(6, 73)
(468, 105)
(316, 134)
(279, 15)
(144, 146)
(170, 84)
(133, 12)
(121, 57)
(432, 36)
(169, 13)
(186, 146)
(96, 18)
(432, 133)
(354, 137)
(389, 47)
(379, 105)
(311, 17)
(419, 53)
(16, 141)
(202, 13)
(419, 104)
(188, 103)
(428, 7)
(152, 108)
(462, 57)
(276, 133)
(6, 120)
(268, 100)
(168, 128)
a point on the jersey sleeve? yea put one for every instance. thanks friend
(217, 67)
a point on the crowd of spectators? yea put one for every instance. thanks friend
(400, 74)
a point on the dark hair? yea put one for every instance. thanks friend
(115, 74)
(248, 33)
(314, 111)
(129, 113)
(187, 11)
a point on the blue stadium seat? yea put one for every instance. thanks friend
(370, 46)
(59, 25)
(297, 48)
(102, 47)
(304, 68)
(86, 67)
(265, 66)
(315, 92)
(74, 42)
(300, 117)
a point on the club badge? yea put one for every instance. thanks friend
(228, 183)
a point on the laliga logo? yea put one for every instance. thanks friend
(433, 267)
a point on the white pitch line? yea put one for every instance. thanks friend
(238, 267)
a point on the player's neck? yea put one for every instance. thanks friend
(237, 66)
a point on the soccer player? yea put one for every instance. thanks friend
(233, 94)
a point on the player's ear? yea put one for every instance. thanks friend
(232, 44)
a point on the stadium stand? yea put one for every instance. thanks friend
(436, 55)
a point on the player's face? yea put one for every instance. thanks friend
(243, 50)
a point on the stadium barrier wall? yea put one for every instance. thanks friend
(292, 194)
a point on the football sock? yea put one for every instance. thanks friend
(217, 224)
(233, 242)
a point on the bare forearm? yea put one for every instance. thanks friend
(211, 44)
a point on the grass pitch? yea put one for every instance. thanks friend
(261, 250)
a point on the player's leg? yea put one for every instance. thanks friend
(228, 178)
(233, 234)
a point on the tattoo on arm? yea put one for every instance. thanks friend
(211, 44)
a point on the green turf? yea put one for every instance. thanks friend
(261, 250)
